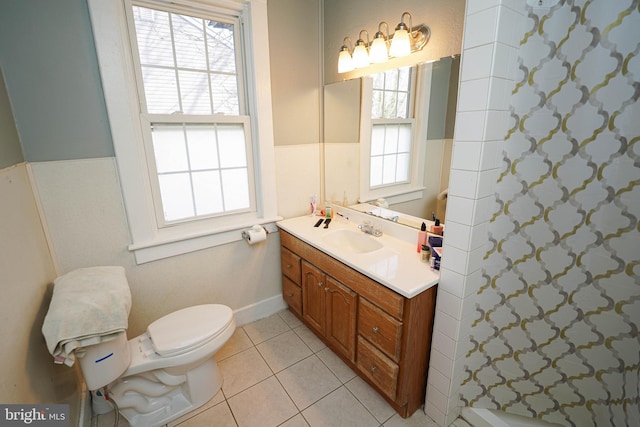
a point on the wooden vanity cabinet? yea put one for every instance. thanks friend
(383, 336)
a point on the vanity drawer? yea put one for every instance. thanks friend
(378, 368)
(292, 294)
(380, 329)
(290, 265)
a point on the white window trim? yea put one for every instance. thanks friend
(149, 242)
(413, 190)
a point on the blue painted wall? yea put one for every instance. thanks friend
(10, 149)
(51, 71)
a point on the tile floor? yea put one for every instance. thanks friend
(278, 373)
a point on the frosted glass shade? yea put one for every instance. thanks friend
(378, 51)
(345, 62)
(360, 56)
(400, 43)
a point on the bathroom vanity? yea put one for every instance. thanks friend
(368, 298)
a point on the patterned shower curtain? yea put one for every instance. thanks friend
(556, 331)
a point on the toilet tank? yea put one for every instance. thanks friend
(104, 362)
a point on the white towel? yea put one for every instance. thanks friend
(88, 306)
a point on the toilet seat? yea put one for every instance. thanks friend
(185, 329)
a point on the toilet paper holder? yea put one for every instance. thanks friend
(249, 235)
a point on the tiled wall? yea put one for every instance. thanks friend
(491, 39)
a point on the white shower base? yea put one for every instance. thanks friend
(479, 417)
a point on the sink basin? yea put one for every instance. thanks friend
(352, 241)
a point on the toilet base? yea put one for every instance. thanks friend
(154, 398)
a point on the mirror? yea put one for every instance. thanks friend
(347, 144)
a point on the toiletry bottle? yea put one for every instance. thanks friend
(425, 254)
(313, 204)
(436, 228)
(328, 211)
(422, 237)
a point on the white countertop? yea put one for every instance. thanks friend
(396, 265)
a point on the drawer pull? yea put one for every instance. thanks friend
(373, 369)
(375, 329)
(290, 295)
(289, 266)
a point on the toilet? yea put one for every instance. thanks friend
(165, 372)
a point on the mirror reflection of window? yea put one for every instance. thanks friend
(392, 127)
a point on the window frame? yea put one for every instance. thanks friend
(413, 188)
(116, 62)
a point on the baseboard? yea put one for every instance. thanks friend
(259, 310)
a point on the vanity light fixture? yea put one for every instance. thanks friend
(404, 41)
(361, 52)
(345, 61)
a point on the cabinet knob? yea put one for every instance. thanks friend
(375, 329)
(320, 283)
(326, 289)
(289, 266)
(373, 369)
(290, 295)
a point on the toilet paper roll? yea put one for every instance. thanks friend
(256, 234)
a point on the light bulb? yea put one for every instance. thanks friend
(378, 51)
(400, 43)
(360, 55)
(345, 62)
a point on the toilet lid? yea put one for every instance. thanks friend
(183, 329)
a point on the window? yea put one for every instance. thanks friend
(193, 113)
(391, 136)
(195, 163)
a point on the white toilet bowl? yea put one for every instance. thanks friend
(167, 371)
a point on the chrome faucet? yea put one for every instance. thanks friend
(369, 228)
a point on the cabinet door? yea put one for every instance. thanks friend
(313, 297)
(341, 317)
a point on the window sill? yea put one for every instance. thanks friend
(169, 243)
(394, 197)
